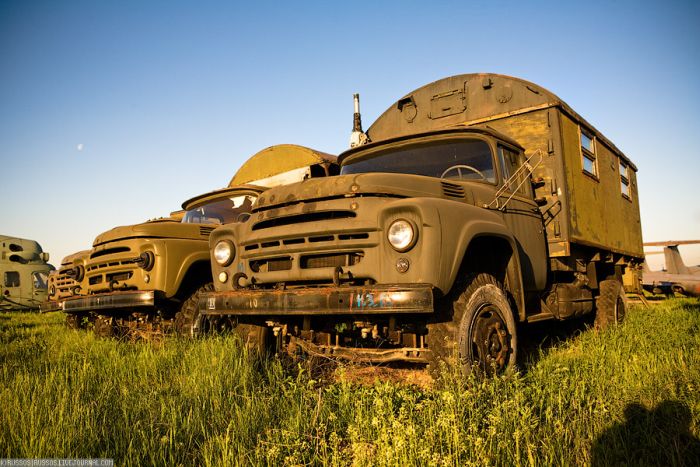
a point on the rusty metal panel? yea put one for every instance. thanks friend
(416, 298)
(110, 301)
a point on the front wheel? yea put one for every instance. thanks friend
(477, 328)
(187, 319)
(104, 326)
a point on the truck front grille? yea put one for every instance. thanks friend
(119, 262)
(306, 217)
(119, 276)
(271, 264)
(330, 260)
(312, 239)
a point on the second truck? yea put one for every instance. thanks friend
(147, 277)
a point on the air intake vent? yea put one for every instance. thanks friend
(453, 190)
(110, 251)
(205, 231)
(330, 260)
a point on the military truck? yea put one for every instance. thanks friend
(25, 270)
(147, 277)
(471, 205)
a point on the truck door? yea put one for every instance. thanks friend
(523, 217)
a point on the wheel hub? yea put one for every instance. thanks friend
(490, 341)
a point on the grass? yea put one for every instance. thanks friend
(629, 395)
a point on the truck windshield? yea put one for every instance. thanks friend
(220, 211)
(463, 159)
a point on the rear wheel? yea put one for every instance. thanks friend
(611, 304)
(477, 328)
(187, 319)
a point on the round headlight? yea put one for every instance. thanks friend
(401, 235)
(79, 273)
(223, 253)
(52, 291)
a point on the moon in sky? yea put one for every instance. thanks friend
(80, 146)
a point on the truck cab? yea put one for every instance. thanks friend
(375, 250)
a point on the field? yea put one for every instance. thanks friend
(628, 395)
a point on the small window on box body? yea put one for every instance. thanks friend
(588, 154)
(624, 179)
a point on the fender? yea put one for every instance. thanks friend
(184, 265)
(461, 226)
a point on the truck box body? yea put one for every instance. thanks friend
(582, 208)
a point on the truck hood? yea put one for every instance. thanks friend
(161, 228)
(347, 186)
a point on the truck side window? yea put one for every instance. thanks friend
(588, 154)
(624, 180)
(12, 279)
(510, 163)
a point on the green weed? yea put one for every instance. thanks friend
(628, 395)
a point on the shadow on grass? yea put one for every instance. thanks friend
(692, 305)
(649, 437)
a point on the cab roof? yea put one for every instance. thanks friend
(470, 99)
(277, 159)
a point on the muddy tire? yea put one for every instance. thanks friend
(187, 319)
(253, 336)
(103, 326)
(611, 304)
(476, 329)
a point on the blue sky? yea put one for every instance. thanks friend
(168, 98)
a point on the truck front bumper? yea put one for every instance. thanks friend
(49, 305)
(386, 299)
(110, 301)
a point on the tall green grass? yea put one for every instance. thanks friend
(629, 395)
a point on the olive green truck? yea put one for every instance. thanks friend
(147, 277)
(472, 205)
